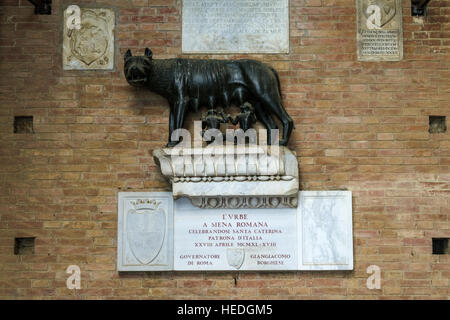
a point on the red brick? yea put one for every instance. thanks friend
(362, 126)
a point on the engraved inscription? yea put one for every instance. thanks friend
(227, 26)
(234, 239)
(380, 42)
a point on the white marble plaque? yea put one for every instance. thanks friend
(315, 236)
(234, 239)
(325, 230)
(235, 26)
(380, 32)
(88, 38)
(145, 231)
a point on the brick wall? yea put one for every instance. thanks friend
(362, 126)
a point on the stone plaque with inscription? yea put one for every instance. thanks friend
(153, 235)
(235, 26)
(380, 32)
(88, 38)
(234, 239)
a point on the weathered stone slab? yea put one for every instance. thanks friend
(88, 38)
(380, 31)
(231, 26)
(325, 230)
(145, 231)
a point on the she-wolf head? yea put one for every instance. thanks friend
(137, 68)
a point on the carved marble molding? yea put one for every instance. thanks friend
(254, 202)
(232, 177)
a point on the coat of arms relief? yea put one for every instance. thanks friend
(146, 229)
(88, 38)
(378, 13)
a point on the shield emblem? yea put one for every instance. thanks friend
(383, 10)
(235, 257)
(146, 232)
(90, 42)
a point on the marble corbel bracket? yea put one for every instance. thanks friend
(42, 6)
(237, 177)
(419, 7)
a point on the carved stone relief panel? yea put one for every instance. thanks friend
(380, 32)
(88, 38)
(145, 231)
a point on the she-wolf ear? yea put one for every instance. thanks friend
(127, 54)
(148, 53)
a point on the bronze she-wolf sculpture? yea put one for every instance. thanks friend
(194, 83)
